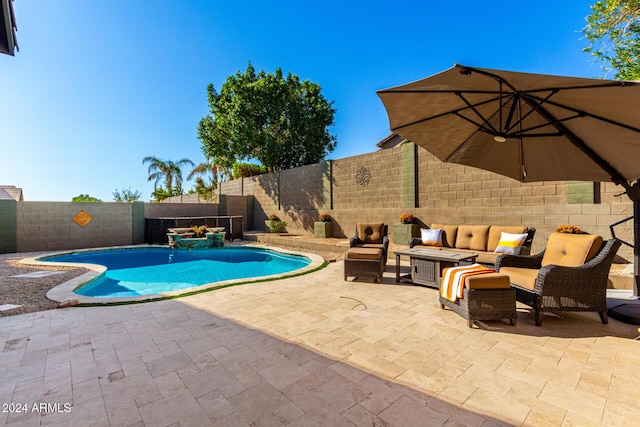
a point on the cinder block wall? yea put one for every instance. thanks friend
(42, 226)
(377, 187)
(159, 210)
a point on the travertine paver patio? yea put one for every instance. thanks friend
(314, 350)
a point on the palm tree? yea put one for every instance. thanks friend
(218, 173)
(168, 170)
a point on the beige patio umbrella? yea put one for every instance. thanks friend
(529, 127)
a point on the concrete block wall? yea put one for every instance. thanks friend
(232, 205)
(264, 189)
(185, 198)
(159, 210)
(232, 188)
(446, 193)
(452, 193)
(301, 196)
(45, 226)
(8, 224)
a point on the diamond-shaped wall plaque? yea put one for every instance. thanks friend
(82, 218)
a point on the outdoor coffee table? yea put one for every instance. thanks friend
(427, 264)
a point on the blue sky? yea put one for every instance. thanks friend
(98, 85)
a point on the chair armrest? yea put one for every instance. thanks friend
(568, 281)
(525, 249)
(521, 261)
(415, 241)
(354, 242)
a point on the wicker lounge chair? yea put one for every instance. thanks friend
(548, 286)
(373, 235)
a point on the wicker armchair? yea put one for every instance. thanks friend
(371, 236)
(559, 288)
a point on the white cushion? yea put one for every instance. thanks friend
(431, 237)
(509, 242)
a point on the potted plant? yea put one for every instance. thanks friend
(323, 228)
(198, 230)
(406, 230)
(569, 229)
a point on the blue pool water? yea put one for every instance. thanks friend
(146, 271)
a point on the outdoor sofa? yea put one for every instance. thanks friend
(488, 241)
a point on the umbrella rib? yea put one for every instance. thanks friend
(473, 108)
(522, 132)
(469, 70)
(533, 108)
(455, 112)
(579, 87)
(514, 104)
(616, 176)
(584, 113)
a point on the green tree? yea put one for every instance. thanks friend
(85, 198)
(613, 32)
(243, 170)
(126, 195)
(208, 174)
(168, 171)
(280, 121)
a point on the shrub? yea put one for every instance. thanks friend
(407, 218)
(243, 170)
(569, 229)
(324, 217)
(277, 226)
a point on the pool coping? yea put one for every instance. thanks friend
(63, 293)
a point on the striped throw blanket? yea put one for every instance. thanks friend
(452, 283)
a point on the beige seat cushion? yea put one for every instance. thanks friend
(449, 234)
(364, 253)
(371, 233)
(483, 257)
(488, 281)
(523, 277)
(487, 257)
(495, 231)
(473, 237)
(571, 250)
(373, 245)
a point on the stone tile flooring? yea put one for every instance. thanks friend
(313, 350)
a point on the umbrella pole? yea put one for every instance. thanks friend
(635, 198)
(627, 308)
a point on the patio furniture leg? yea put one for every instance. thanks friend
(603, 317)
(538, 316)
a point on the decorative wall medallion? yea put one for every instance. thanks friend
(363, 176)
(82, 218)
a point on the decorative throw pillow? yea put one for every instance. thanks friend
(431, 237)
(509, 242)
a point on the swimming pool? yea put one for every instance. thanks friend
(150, 271)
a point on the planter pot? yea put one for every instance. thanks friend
(403, 233)
(322, 229)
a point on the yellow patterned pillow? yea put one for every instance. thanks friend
(509, 242)
(431, 237)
